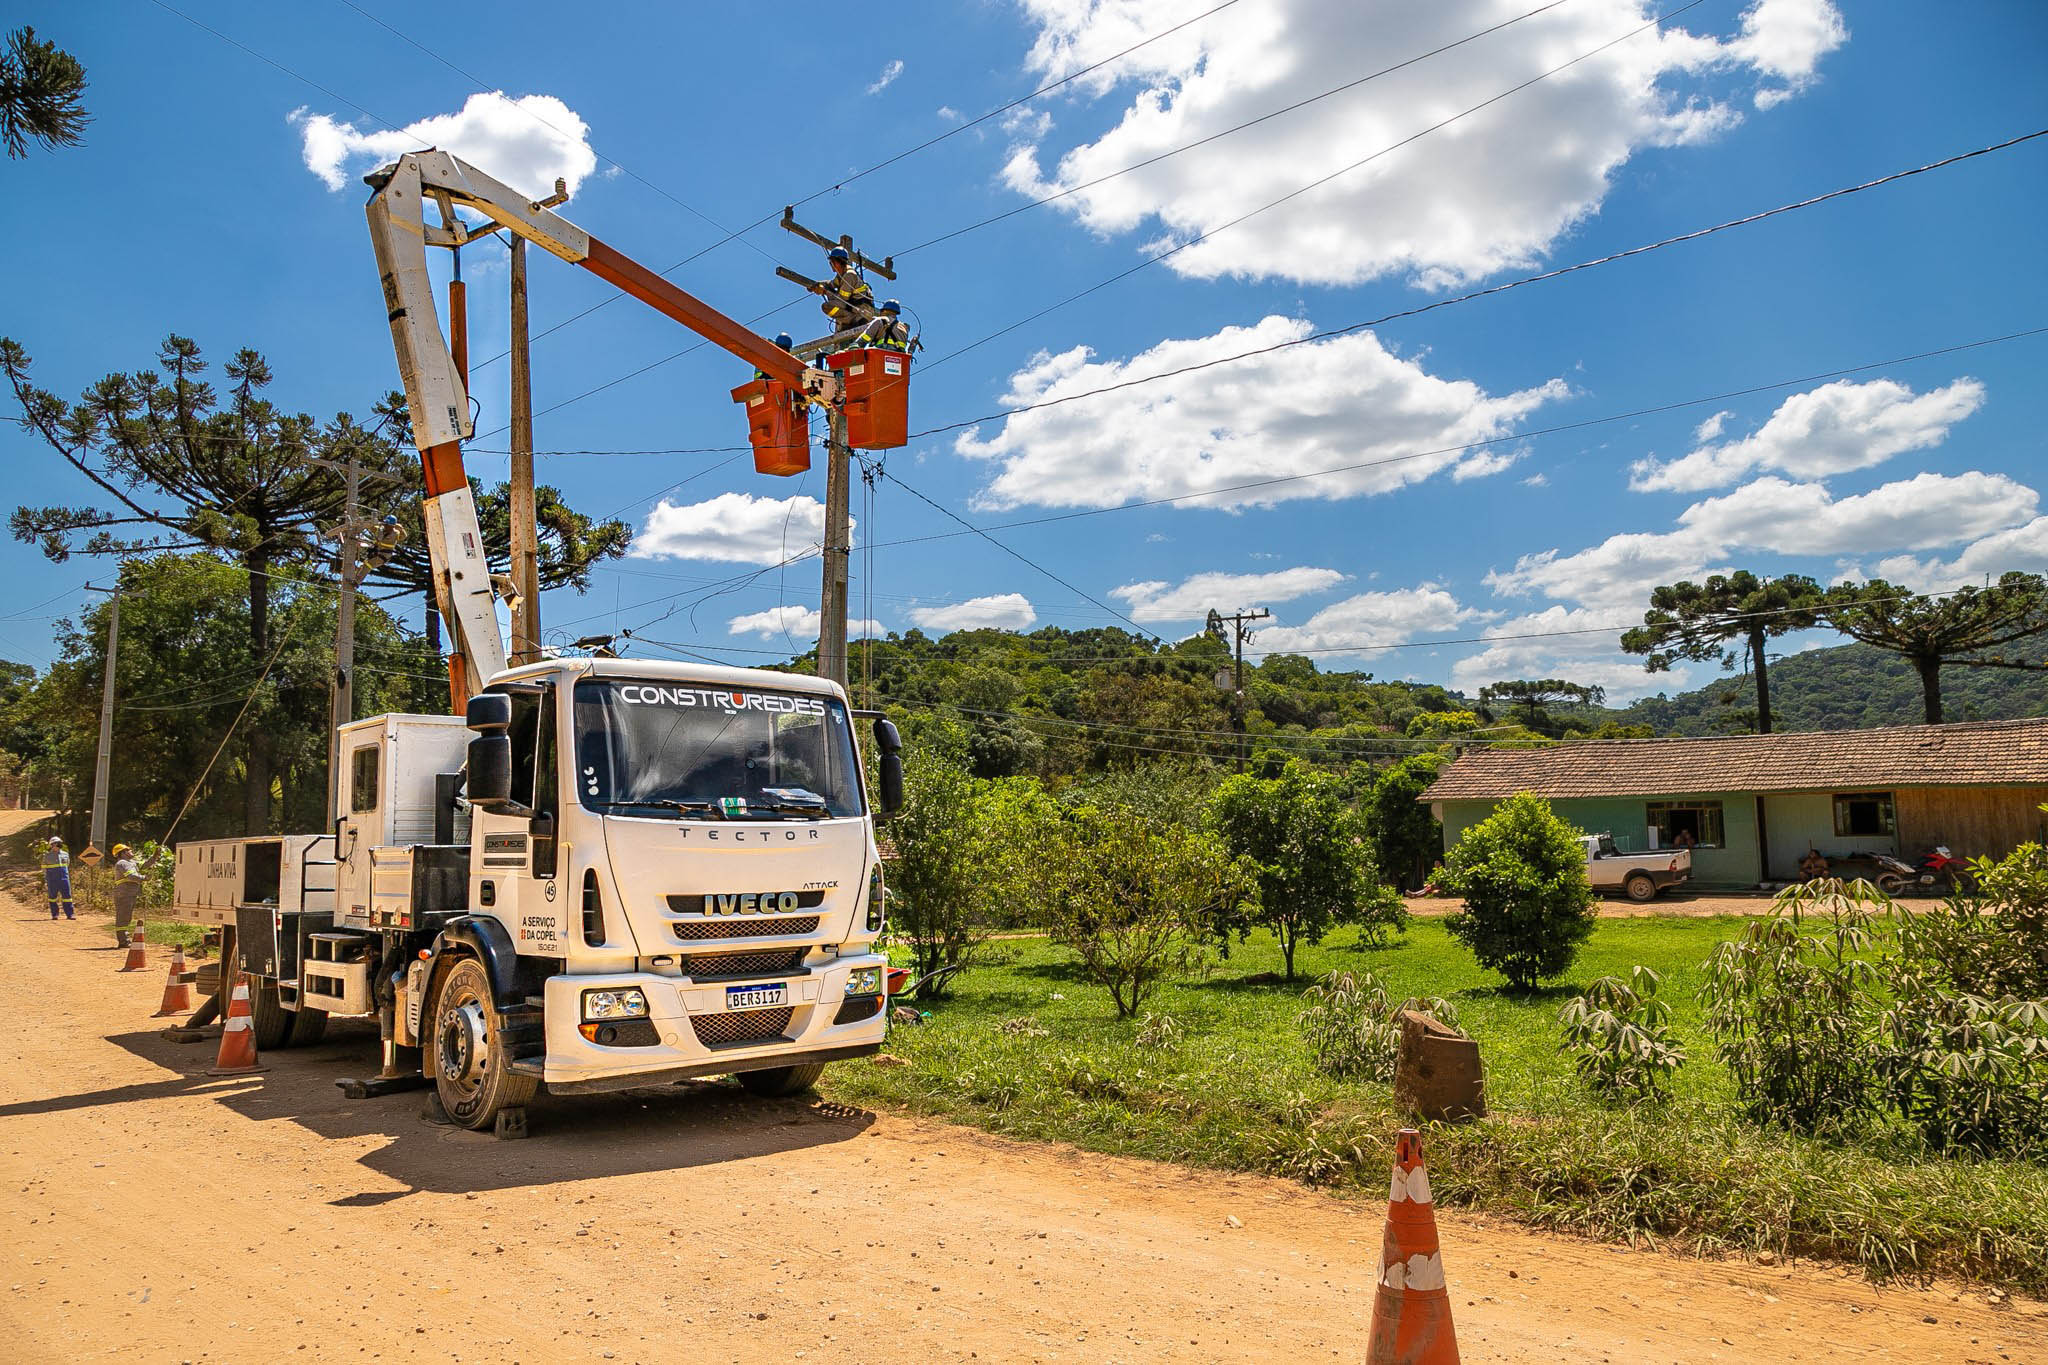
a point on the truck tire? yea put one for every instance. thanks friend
(271, 1021)
(780, 1082)
(308, 1027)
(472, 1065)
(1640, 887)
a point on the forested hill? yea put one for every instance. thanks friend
(1059, 700)
(1848, 687)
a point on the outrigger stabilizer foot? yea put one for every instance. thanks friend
(394, 1079)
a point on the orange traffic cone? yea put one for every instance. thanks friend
(237, 1036)
(178, 988)
(138, 960)
(1411, 1311)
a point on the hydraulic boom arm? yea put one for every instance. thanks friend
(435, 390)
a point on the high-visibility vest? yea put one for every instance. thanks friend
(885, 334)
(58, 859)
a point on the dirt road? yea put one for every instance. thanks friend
(154, 1213)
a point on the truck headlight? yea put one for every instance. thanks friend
(864, 981)
(615, 1004)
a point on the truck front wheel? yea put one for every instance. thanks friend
(472, 1065)
(780, 1082)
(1639, 887)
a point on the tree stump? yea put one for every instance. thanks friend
(1437, 1074)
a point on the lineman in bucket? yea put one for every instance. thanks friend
(886, 330)
(847, 297)
(57, 877)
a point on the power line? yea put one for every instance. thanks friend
(1026, 560)
(1501, 288)
(1238, 128)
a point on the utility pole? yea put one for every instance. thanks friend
(838, 549)
(525, 529)
(341, 700)
(1240, 623)
(103, 763)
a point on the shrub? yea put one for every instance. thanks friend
(1353, 1026)
(1132, 899)
(1528, 906)
(1406, 839)
(1313, 870)
(1620, 1036)
(1969, 1073)
(1160, 1031)
(1993, 943)
(1789, 1007)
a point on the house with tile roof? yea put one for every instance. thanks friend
(1753, 805)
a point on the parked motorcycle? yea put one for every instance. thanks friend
(1940, 868)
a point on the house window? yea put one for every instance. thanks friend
(1863, 813)
(1698, 821)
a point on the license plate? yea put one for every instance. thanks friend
(755, 997)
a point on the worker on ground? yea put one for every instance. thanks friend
(848, 300)
(57, 877)
(786, 342)
(886, 330)
(127, 890)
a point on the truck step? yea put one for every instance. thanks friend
(528, 1066)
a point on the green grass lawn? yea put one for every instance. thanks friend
(1027, 1048)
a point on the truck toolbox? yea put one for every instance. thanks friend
(336, 974)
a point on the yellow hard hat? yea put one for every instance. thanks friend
(119, 849)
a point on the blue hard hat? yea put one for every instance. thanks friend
(784, 340)
(838, 253)
(891, 306)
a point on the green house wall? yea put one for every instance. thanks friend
(1627, 819)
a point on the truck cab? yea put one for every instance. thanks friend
(609, 873)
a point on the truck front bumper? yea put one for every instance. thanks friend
(697, 1035)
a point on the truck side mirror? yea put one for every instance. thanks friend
(487, 712)
(490, 770)
(889, 745)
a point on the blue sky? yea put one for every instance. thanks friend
(201, 203)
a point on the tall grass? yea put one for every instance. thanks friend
(1026, 1048)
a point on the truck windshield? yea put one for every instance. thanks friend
(717, 752)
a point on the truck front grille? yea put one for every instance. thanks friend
(764, 962)
(741, 1026)
(696, 930)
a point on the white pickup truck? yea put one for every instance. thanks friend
(1639, 876)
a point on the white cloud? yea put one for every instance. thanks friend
(734, 528)
(1003, 611)
(527, 142)
(2018, 548)
(1193, 597)
(1537, 480)
(1829, 430)
(889, 74)
(1491, 191)
(1371, 619)
(796, 623)
(1313, 406)
(1779, 517)
(1577, 643)
(950, 114)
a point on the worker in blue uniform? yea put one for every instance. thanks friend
(57, 877)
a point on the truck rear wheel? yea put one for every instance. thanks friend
(271, 1021)
(1639, 887)
(472, 1064)
(780, 1082)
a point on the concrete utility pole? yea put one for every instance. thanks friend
(838, 549)
(1240, 623)
(525, 530)
(103, 763)
(341, 700)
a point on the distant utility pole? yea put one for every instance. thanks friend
(103, 763)
(351, 570)
(1240, 622)
(525, 529)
